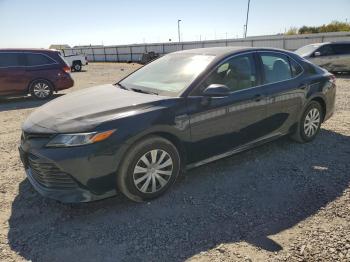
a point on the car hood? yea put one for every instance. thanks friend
(83, 110)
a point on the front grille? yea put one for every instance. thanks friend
(49, 175)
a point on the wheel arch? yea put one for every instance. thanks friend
(322, 102)
(37, 79)
(175, 140)
(77, 62)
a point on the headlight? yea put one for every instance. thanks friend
(79, 139)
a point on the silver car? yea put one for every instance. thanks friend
(334, 56)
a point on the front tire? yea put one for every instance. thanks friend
(309, 124)
(41, 89)
(149, 168)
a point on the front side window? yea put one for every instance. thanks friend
(237, 73)
(325, 50)
(38, 60)
(168, 75)
(10, 60)
(276, 68)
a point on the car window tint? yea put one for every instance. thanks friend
(38, 59)
(237, 73)
(276, 68)
(10, 60)
(325, 50)
(296, 68)
(341, 49)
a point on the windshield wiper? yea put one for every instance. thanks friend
(143, 91)
(121, 86)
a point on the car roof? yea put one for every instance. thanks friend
(222, 52)
(327, 43)
(33, 50)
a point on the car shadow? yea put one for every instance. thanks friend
(247, 197)
(23, 102)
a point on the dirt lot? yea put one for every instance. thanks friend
(280, 202)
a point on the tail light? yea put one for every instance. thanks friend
(86, 59)
(332, 79)
(66, 69)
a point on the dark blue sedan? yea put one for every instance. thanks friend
(183, 110)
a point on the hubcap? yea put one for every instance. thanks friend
(41, 89)
(77, 67)
(312, 122)
(153, 171)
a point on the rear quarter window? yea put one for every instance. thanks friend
(295, 67)
(38, 60)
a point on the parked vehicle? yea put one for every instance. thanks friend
(76, 62)
(180, 111)
(335, 56)
(38, 72)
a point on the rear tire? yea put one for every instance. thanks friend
(149, 168)
(41, 89)
(77, 66)
(309, 123)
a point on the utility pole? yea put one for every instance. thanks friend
(246, 22)
(178, 29)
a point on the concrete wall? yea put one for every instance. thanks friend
(122, 53)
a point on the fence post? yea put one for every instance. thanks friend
(104, 51)
(93, 54)
(131, 53)
(284, 42)
(163, 48)
(116, 51)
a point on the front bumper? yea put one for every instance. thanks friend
(71, 175)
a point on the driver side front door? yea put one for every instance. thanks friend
(220, 124)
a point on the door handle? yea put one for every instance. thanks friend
(259, 97)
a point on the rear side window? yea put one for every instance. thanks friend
(11, 60)
(341, 49)
(276, 68)
(38, 60)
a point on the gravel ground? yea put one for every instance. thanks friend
(280, 202)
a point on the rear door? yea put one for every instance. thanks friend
(342, 56)
(40, 66)
(12, 73)
(285, 90)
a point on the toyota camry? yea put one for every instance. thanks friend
(180, 111)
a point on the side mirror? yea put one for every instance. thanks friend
(317, 54)
(218, 90)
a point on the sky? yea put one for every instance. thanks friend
(40, 23)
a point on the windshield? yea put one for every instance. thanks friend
(168, 75)
(306, 50)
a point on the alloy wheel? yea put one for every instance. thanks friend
(312, 122)
(41, 90)
(153, 171)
